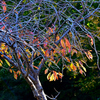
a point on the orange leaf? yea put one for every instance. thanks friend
(10, 70)
(3, 28)
(15, 75)
(4, 6)
(67, 59)
(57, 38)
(63, 52)
(62, 43)
(2, 55)
(46, 71)
(81, 71)
(91, 41)
(60, 75)
(46, 53)
(55, 75)
(72, 67)
(36, 67)
(68, 44)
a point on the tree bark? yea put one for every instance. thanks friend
(37, 89)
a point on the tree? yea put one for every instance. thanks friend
(54, 34)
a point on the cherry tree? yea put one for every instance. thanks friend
(54, 34)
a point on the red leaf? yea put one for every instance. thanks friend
(3, 28)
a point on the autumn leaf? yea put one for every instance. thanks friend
(82, 66)
(51, 77)
(73, 67)
(91, 39)
(43, 51)
(46, 71)
(10, 70)
(4, 6)
(62, 43)
(7, 62)
(68, 44)
(89, 55)
(55, 75)
(48, 76)
(81, 71)
(67, 59)
(35, 67)
(63, 52)
(3, 28)
(18, 72)
(60, 75)
(47, 53)
(57, 38)
(15, 75)
(0, 64)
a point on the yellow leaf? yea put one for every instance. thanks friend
(48, 76)
(38, 8)
(7, 62)
(82, 66)
(0, 64)
(43, 51)
(77, 64)
(60, 75)
(52, 77)
(72, 67)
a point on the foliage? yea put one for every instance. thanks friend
(55, 34)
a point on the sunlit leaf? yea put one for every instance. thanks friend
(67, 59)
(10, 70)
(15, 75)
(82, 66)
(35, 67)
(0, 64)
(48, 76)
(43, 51)
(7, 62)
(62, 43)
(73, 67)
(60, 75)
(55, 75)
(68, 44)
(51, 77)
(46, 71)
(47, 53)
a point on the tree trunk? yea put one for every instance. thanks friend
(37, 89)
